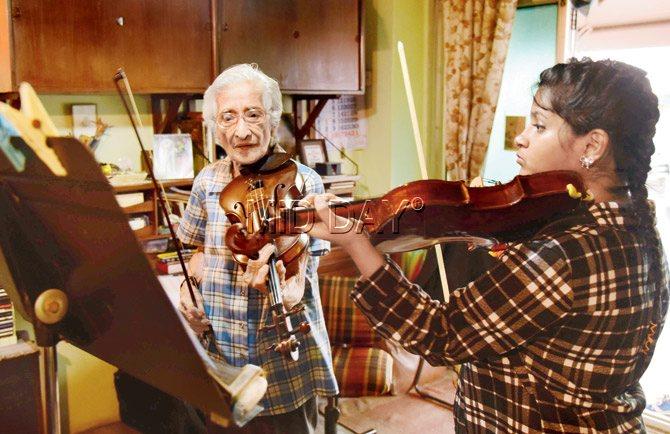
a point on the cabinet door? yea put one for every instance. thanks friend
(77, 46)
(309, 46)
(167, 44)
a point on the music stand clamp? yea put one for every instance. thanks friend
(75, 270)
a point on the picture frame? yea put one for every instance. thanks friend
(84, 118)
(313, 151)
(173, 156)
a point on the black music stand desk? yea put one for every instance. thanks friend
(69, 234)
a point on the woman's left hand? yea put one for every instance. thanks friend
(257, 272)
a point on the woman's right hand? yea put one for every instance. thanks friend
(195, 316)
(348, 233)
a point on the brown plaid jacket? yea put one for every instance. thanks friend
(553, 338)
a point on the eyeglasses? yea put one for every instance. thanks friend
(251, 116)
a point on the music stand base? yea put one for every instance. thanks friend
(422, 393)
(50, 371)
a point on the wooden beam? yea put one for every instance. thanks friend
(163, 123)
(301, 131)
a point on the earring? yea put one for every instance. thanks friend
(586, 162)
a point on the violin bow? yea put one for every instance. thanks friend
(421, 156)
(128, 102)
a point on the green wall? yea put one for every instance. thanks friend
(119, 142)
(532, 49)
(390, 158)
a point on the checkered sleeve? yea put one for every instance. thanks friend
(192, 225)
(314, 185)
(522, 295)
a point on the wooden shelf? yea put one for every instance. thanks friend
(146, 206)
(340, 178)
(150, 206)
(155, 237)
(148, 185)
(341, 185)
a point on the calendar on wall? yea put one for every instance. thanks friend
(343, 122)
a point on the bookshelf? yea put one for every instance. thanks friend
(149, 206)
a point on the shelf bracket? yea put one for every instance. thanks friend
(163, 123)
(300, 132)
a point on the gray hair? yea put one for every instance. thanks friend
(272, 101)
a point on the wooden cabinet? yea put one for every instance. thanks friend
(174, 46)
(76, 46)
(309, 46)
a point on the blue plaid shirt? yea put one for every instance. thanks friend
(237, 312)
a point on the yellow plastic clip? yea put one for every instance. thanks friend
(573, 192)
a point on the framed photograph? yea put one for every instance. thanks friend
(84, 118)
(313, 151)
(173, 156)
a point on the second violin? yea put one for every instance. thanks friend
(404, 218)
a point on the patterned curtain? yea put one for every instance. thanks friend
(476, 37)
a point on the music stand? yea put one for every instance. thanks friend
(66, 250)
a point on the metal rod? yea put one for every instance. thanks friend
(50, 357)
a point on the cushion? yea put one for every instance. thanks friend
(346, 325)
(363, 371)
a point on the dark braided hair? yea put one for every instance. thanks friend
(617, 98)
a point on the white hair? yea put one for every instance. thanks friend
(272, 102)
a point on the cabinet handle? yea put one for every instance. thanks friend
(120, 21)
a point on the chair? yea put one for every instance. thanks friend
(362, 367)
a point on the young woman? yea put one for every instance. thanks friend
(556, 335)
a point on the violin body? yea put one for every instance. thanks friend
(254, 197)
(250, 201)
(423, 213)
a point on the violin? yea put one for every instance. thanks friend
(250, 201)
(428, 212)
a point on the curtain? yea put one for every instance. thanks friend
(476, 37)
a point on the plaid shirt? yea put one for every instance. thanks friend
(553, 338)
(237, 312)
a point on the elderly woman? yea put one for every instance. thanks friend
(243, 106)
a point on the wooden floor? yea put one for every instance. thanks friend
(403, 413)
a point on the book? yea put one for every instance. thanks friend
(129, 199)
(173, 267)
(167, 256)
(7, 322)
